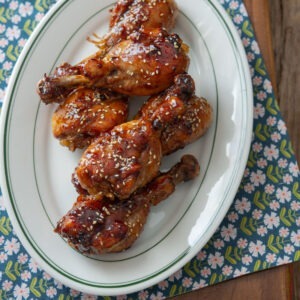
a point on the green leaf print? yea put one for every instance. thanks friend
(282, 217)
(257, 202)
(10, 54)
(228, 255)
(270, 244)
(173, 290)
(8, 272)
(271, 175)
(259, 134)
(247, 29)
(244, 228)
(33, 288)
(260, 67)
(257, 265)
(2, 18)
(5, 225)
(296, 191)
(213, 278)
(269, 106)
(284, 150)
(188, 270)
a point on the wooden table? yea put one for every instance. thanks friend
(277, 27)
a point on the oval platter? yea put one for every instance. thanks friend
(36, 170)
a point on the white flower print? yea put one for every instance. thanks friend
(25, 275)
(261, 95)
(158, 296)
(295, 205)
(258, 178)
(228, 233)
(187, 282)
(294, 169)
(254, 47)
(163, 284)
(284, 232)
(13, 5)
(275, 136)
(88, 297)
(22, 258)
(232, 216)
(249, 187)
(51, 292)
(215, 260)
(271, 220)
(12, 246)
(3, 42)
(268, 86)
(261, 230)
(2, 56)
(240, 272)
(271, 152)
(13, 33)
(271, 121)
(295, 238)
(257, 80)
(257, 147)
(177, 275)
(33, 266)
(274, 205)
(7, 285)
(143, 295)
(227, 270)
(289, 249)
(283, 195)
(269, 189)
(247, 260)
(242, 205)
(257, 248)
(281, 126)
(218, 244)
(242, 243)
(233, 4)
(238, 19)
(205, 272)
(21, 292)
(25, 9)
(283, 261)
(287, 178)
(2, 28)
(282, 163)
(198, 285)
(3, 257)
(270, 258)
(256, 214)
(259, 111)
(262, 163)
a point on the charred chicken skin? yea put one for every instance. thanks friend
(96, 225)
(189, 125)
(85, 114)
(128, 16)
(143, 64)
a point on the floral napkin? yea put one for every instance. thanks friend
(260, 230)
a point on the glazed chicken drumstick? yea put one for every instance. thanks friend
(128, 16)
(96, 225)
(143, 64)
(129, 156)
(85, 114)
(190, 124)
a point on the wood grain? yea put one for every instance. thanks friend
(277, 27)
(285, 20)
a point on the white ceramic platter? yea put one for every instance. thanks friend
(36, 170)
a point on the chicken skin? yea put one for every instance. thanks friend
(190, 124)
(143, 64)
(128, 16)
(85, 114)
(96, 225)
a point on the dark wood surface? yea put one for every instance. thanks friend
(277, 27)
